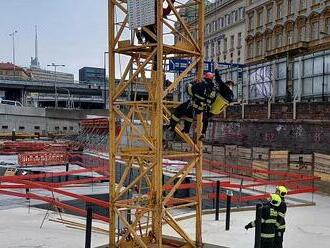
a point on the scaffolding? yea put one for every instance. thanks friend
(142, 146)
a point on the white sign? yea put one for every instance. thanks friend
(141, 13)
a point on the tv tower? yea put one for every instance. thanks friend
(35, 61)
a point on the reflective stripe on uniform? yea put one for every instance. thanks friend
(175, 118)
(281, 214)
(199, 97)
(190, 90)
(281, 227)
(188, 119)
(267, 235)
(213, 94)
(198, 107)
(270, 221)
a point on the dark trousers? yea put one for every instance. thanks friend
(206, 117)
(183, 111)
(267, 243)
(149, 39)
(278, 242)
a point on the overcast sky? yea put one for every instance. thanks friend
(71, 32)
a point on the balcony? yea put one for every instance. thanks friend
(292, 48)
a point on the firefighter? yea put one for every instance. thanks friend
(224, 97)
(280, 225)
(202, 96)
(268, 221)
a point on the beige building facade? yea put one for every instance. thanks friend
(290, 27)
(225, 31)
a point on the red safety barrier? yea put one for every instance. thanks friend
(42, 158)
(268, 172)
(97, 124)
(14, 147)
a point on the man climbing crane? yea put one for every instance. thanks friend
(207, 97)
(202, 95)
(224, 96)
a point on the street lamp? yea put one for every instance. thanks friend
(55, 86)
(69, 105)
(104, 80)
(13, 39)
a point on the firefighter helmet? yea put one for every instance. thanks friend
(282, 190)
(275, 200)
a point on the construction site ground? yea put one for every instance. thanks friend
(308, 226)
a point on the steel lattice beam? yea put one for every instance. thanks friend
(144, 145)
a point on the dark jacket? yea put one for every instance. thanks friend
(223, 89)
(268, 221)
(202, 94)
(280, 225)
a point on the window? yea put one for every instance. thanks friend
(206, 51)
(269, 15)
(250, 50)
(258, 48)
(219, 47)
(279, 10)
(232, 41)
(315, 32)
(227, 20)
(4, 127)
(21, 128)
(36, 127)
(302, 4)
(225, 45)
(327, 25)
(57, 128)
(269, 43)
(65, 128)
(290, 37)
(278, 40)
(301, 34)
(250, 22)
(290, 7)
(212, 50)
(222, 22)
(259, 19)
(235, 15)
(71, 128)
(224, 58)
(241, 13)
(239, 40)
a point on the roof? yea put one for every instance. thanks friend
(11, 66)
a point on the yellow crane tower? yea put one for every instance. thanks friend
(140, 142)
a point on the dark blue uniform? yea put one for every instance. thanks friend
(280, 225)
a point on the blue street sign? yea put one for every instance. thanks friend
(179, 65)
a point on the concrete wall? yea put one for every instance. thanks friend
(295, 136)
(41, 120)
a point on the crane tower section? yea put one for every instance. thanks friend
(143, 38)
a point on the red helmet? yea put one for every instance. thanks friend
(209, 75)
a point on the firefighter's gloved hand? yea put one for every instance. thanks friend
(208, 101)
(248, 226)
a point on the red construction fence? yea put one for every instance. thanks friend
(42, 158)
